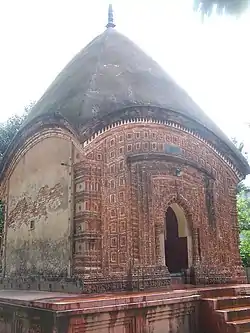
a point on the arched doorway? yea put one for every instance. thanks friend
(178, 240)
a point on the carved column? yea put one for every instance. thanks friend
(71, 208)
(196, 255)
(5, 229)
(160, 245)
(135, 214)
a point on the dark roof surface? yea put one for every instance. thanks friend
(111, 73)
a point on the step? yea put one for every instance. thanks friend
(217, 292)
(236, 301)
(234, 314)
(239, 326)
(221, 303)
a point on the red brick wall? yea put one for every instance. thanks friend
(87, 217)
(135, 194)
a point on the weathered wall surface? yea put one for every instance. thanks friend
(15, 319)
(37, 222)
(175, 318)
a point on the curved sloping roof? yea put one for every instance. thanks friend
(111, 73)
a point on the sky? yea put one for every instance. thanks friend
(210, 60)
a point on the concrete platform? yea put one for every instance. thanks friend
(175, 310)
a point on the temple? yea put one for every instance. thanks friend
(118, 184)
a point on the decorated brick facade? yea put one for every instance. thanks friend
(120, 185)
(139, 184)
(88, 181)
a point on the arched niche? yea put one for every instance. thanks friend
(178, 252)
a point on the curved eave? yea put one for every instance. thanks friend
(109, 113)
(57, 120)
(37, 124)
(222, 140)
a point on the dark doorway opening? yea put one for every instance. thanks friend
(176, 248)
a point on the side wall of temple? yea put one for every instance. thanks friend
(38, 212)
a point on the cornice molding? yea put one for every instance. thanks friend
(170, 124)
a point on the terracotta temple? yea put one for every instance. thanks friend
(120, 203)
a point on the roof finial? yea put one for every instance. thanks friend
(110, 18)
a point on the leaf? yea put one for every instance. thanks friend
(245, 247)
(243, 208)
(10, 128)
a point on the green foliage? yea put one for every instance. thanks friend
(245, 247)
(243, 208)
(241, 188)
(240, 145)
(10, 128)
(229, 7)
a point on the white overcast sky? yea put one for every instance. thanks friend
(210, 60)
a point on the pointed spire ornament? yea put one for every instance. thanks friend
(110, 17)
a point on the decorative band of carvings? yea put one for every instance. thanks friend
(174, 158)
(169, 124)
(96, 285)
